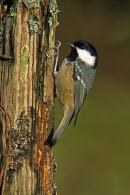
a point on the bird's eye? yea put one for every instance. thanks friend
(82, 47)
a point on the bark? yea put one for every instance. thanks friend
(26, 95)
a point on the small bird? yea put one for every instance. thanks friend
(73, 80)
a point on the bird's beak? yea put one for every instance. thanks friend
(71, 45)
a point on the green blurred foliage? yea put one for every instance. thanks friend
(93, 157)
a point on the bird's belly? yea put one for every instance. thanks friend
(65, 85)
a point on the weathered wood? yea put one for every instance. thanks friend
(26, 94)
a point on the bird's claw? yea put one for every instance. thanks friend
(57, 50)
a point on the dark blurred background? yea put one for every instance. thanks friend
(94, 157)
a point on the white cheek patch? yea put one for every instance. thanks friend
(86, 57)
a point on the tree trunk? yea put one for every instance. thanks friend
(26, 95)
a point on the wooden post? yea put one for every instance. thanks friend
(27, 30)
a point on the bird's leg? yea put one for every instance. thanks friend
(57, 56)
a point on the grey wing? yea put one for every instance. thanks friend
(83, 76)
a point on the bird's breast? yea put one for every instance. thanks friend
(65, 85)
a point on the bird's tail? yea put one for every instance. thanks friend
(68, 114)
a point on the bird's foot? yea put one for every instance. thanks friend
(56, 54)
(56, 47)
